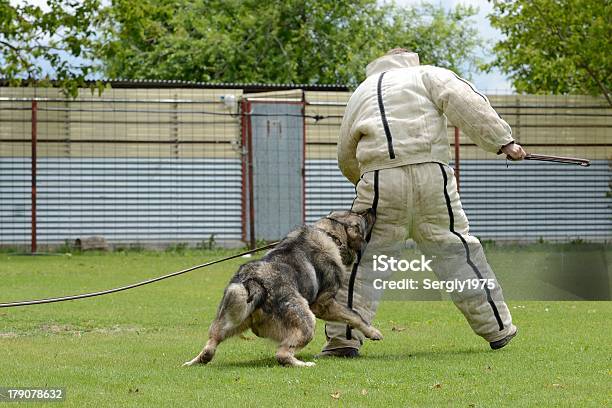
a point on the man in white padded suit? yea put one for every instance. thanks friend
(393, 147)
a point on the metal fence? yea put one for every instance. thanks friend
(205, 166)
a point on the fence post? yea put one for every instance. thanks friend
(457, 145)
(303, 157)
(248, 196)
(33, 174)
(253, 241)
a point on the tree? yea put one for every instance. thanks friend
(58, 43)
(289, 41)
(286, 41)
(556, 46)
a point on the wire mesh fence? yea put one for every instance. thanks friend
(146, 166)
(228, 166)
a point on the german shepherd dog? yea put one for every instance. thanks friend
(278, 296)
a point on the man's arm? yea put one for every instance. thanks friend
(471, 112)
(347, 151)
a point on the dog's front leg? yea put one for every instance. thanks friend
(285, 355)
(330, 310)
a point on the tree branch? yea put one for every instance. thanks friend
(17, 51)
(602, 86)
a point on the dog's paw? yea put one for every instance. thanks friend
(299, 363)
(375, 334)
(193, 362)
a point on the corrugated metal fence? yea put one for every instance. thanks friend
(126, 200)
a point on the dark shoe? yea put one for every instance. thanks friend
(346, 352)
(496, 345)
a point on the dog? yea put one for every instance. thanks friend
(279, 296)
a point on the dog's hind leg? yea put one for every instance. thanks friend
(217, 333)
(296, 331)
(232, 319)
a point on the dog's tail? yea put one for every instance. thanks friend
(241, 299)
(256, 291)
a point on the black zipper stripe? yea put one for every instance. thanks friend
(383, 116)
(477, 93)
(351, 286)
(471, 87)
(467, 249)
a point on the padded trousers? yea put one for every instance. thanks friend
(420, 201)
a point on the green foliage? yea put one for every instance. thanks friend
(555, 46)
(290, 41)
(179, 247)
(209, 244)
(67, 247)
(63, 37)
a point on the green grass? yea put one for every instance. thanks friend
(126, 349)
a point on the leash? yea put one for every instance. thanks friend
(133, 285)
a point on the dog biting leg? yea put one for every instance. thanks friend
(274, 296)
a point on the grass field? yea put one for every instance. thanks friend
(126, 349)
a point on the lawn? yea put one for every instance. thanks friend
(126, 349)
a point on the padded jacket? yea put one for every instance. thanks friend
(397, 116)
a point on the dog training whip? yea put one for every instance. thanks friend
(133, 285)
(558, 159)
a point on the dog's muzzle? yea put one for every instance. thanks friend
(370, 219)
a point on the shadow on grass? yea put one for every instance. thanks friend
(246, 363)
(426, 354)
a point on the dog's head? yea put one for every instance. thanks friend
(349, 230)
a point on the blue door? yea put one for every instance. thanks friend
(276, 143)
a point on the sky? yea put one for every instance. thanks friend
(494, 82)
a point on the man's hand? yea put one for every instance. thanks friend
(514, 151)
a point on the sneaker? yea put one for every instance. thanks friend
(346, 352)
(496, 345)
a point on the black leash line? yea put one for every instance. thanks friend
(133, 285)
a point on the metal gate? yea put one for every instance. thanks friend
(273, 168)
